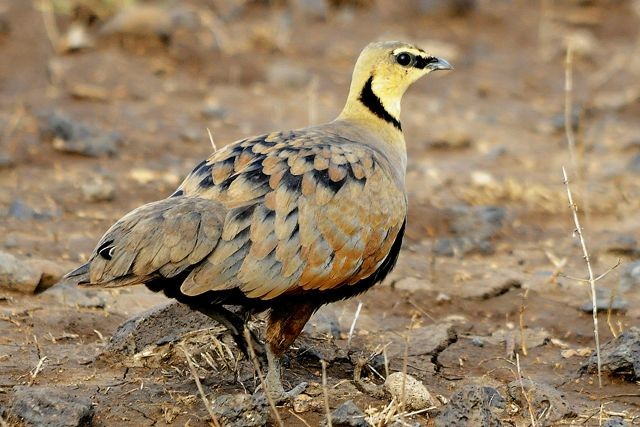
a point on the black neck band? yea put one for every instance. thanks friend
(373, 103)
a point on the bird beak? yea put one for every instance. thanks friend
(440, 64)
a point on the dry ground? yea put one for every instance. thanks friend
(488, 134)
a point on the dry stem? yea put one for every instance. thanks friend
(524, 393)
(325, 393)
(353, 324)
(523, 343)
(194, 374)
(568, 91)
(592, 280)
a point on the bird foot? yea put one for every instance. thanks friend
(280, 397)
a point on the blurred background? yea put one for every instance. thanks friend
(105, 105)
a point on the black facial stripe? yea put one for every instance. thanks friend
(421, 61)
(373, 103)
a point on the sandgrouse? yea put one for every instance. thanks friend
(284, 222)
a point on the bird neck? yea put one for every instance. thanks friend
(373, 101)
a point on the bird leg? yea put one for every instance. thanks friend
(284, 325)
(236, 326)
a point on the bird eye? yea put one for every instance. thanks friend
(403, 59)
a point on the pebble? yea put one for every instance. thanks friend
(74, 296)
(634, 164)
(140, 19)
(212, 111)
(546, 400)
(305, 403)
(471, 406)
(17, 275)
(21, 210)
(71, 136)
(451, 140)
(6, 161)
(603, 304)
(630, 276)
(416, 395)
(476, 341)
(50, 407)
(622, 244)
(348, 414)
(241, 410)
(99, 188)
(620, 356)
(615, 422)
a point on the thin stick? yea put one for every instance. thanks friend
(568, 91)
(194, 374)
(325, 393)
(256, 365)
(523, 343)
(405, 366)
(39, 367)
(592, 281)
(213, 143)
(524, 393)
(353, 324)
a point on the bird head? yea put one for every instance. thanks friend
(383, 72)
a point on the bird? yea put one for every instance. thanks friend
(284, 222)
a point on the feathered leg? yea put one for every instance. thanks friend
(284, 325)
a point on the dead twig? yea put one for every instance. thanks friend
(568, 92)
(194, 374)
(353, 324)
(592, 280)
(523, 342)
(213, 143)
(325, 393)
(524, 393)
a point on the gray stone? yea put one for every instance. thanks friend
(71, 136)
(634, 164)
(348, 414)
(6, 161)
(17, 275)
(602, 304)
(460, 246)
(99, 188)
(615, 422)
(630, 276)
(21, 210)
(479, 221)
(158, 324)
(75, 296)
(241, 410)
(622, 244)
(546, 401)
(212, 111)
(620, 356)
(50, 407)
(416, 395)
(469, 407)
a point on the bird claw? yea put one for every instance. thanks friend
(280, 397)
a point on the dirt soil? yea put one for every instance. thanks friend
(490, 255)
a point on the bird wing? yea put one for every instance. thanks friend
(306, 210)
(159, 239)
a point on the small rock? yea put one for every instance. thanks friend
(620, 356)
(17, 275)
(416, 395)
(451, 140)
(441, 298)
(71, 136)
(604, 304)
(470, 406)
(481, 221)
(99, 188)
(305, 403)
(410, 284)
(241, 410)
(634, 164)
(615, 422)
(630, 276)
(547, 402)
(212, 110)
(284, 73)
(152, 326)
(50, 407)
(51, 272)
(6, 161)
(460, 246)
(348, 414)
(324, 323)
(558, 120)
(477, 341)
(622, 244)
(75, 296)
(140, 20)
